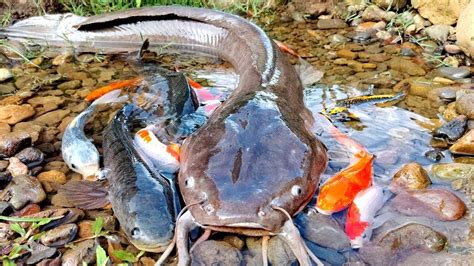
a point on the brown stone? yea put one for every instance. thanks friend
(12, 114)
(346, 53)
(410, 176)
(465, 145)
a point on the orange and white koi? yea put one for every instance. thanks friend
(360, 217)
(340, 190)
(113, 86)
(164, 157)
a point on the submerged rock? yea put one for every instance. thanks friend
(279, 253)
(465, 145)
(31, 156)
(82, 252)
(13, 142)
(441, 11)
(17, 168)
(454, 72)
(322, 230)
(438, 32)
(413, 236)
(213, 252)
(410, 176)
(452, 171)
(335, 23)
(434, 155)
(59, 236)
(434, 203)
(39, 253)
(452, 130)
(13, 114)
(465, 30)
(23, 189)
(465, 103)
(391, 4)
(52, 180)
(406, 66)
(5, 74)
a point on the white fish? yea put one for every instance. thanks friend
(360, 217)
(77, 150)
(164, 157)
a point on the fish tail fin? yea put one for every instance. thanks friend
(110, 97)
(86, 195)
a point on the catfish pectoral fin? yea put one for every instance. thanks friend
(86, 195)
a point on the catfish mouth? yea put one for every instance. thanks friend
(154, 248)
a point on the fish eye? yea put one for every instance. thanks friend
(296, 190)
(189, 182)
(135, 232)
(73, 166)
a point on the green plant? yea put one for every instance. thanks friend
(6, 17)
(127, 256)
(101, 256)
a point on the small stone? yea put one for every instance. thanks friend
(452, 49)
(458, 184)
(35, 62)
(465, 103)
(279, 253)
(86, 58)
(452, 171)
(70, 85)
(464, 30)
(85, 228)
(465, 145)
(12, 114)
(51, 180)
(345, 53)
(331, 24)
(452, 130)
(438, 204)
(53, 118)
(413, 236)
(454, 72)
(391, 4)
(434, 155)
(57, 165)
(13, 142)
(40, 101)
(374, 13)
(32, 128)
(410, 176)
(443, 81)
(83, 251)
(234, 241)
(59, 236)
(22, 190)
(338, 39)
(5, 74)
(438, 32)
(321, 229)
(61, 59)
(406, 66)
(30, 156)
(3, 165)
(17, 168)
(383, 35)
(213, 252)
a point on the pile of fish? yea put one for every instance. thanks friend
(246, 165)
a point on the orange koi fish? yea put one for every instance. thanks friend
(164, 157)
(340, 190)
(194, 84)
(360, 217)
(113, 86)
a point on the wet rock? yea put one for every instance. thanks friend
(59, 236)
(13, 142)
(85, 228)
(234, 241)
(213, 252)
(53, 118)
(34, 129)
(6, 233)
(17, 168)
(452, 171)
(279, 253)
(322, 230)
(338, 39)
(452, 61)
(374, 13)
(465, 31)
(5, 178)
(438, 32)
(57, 165)
(70, 85)
(5, 74)
(371, 27)
(254, 246)
(391, 4)
(313, 8)
(30, 156)
(465, 103)
(452, 130)
(454, 72)
(452, 48)
(22, 190)
(82, 252)
(434, 155)
(328, 255)
(4, 128)
(465, 145)
(69, 215)
(443, 93)
(383, 35)
(52, 180)
(325, 24)
(3, 165)
(442, 12)
(346, 53)
(40, 101)
(50, 262)
(39, 253)
(61, 59)
(413, 236)
(410, 176)
(406, 66)
(433, 203)
(12, 114)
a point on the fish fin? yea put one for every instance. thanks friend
(109, 97)
(381, 219)
(308, 73)
(194, 84)
(285, 49)
(143, 49)
(86, 195)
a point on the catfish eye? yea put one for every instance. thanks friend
(189, 182)
(135, 232)
(296, 190)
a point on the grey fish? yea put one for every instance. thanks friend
(77, 150)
